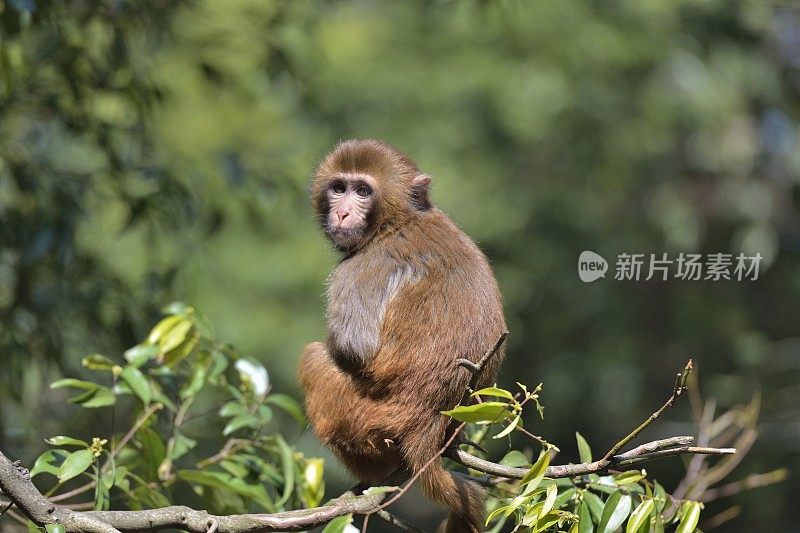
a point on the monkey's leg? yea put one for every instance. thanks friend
(352, 424)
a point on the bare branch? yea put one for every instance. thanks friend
(678, 389)
(561, 471)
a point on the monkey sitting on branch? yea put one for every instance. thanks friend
(411, 296)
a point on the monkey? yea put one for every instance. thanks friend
(411, 295)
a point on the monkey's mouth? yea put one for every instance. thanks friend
(345, 238)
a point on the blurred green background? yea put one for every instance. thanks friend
(158, 151)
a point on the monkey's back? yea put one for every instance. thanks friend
(442, 304)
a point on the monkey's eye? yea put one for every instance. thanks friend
(363, 191)
(338, 187)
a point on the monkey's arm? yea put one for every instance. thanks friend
(354, 425)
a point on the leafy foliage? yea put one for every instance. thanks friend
(176, 373)
(152, 151)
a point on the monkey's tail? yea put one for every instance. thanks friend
(464, 499)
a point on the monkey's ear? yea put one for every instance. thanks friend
(419, 192)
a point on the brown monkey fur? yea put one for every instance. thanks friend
(411, 295)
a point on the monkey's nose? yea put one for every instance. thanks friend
(341, 215)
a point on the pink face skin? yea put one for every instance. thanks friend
(350, 205)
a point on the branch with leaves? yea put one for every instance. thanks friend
(254, 466)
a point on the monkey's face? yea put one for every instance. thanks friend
(351, 208)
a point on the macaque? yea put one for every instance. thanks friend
(411, 295)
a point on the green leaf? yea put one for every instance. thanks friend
(690, 515)
(537, 471)
(97, 361)
(550, 500)
(564, 497)
(177, 308)
(494, 391)
(631, 476)
(547, 521)
(140, 354)
(504, 510)
(616, 510)
(109, 476)
(509, 428)
(232, 408)
(102, 497)
(61, 440)
(239, 422)
(94, 395)
(76, 463)
(101, 397)
(595, 505)
(289, 405)
(175, 336)
(640, 516)
(50, 462)
(180, 352)
(515, 458)
(338, 524)
(479, 412)
(138, 383)
(196, 383)
(584, 451)
(209, 479)
(658, 524)
(152, 452)
(181, 445)
(661, 495)
(584, 518)
(163, 327)
(74, 383)
(287, 463)
(55, 528)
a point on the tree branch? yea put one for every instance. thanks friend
(562, 471)
(16, 484)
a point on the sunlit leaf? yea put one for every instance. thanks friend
(50, 462)
(61, 440)
(494, 391)
(339, 524)
(509, 428)
(137, 382)
(163, 327)
(515, 458)
(585, 518)
(584, 451)
(289, 405)
(595, 505)
(616, 510)
(97, 362)
(479, 412)
(690, 515)
(535, 475)
(241, 421)
(76, 463)
(181, 445)
(640, 516)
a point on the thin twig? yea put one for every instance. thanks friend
(397, 522)
(678, 389)
(563, 471)
(4, 511)
(477, 368)
(438, 455)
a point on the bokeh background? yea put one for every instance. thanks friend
(158, 151)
